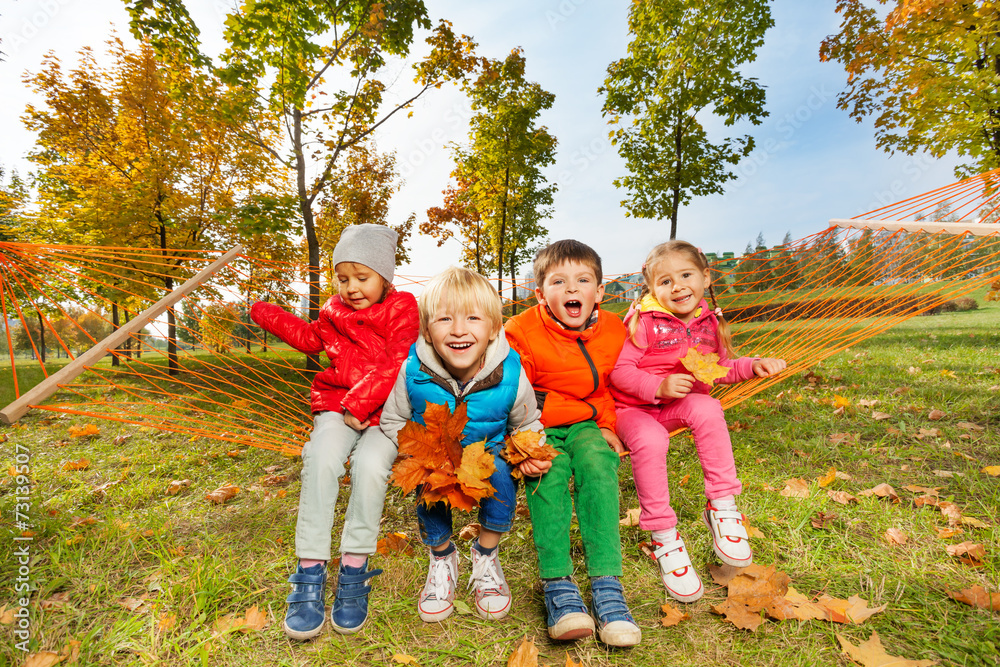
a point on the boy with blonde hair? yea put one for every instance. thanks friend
(568, 348)
(462, 356)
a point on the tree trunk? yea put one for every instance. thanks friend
(128, 341)
(677, 181)
(512, 258)
(312, 241)
(41, 337)
(114, 326)
(503, 230)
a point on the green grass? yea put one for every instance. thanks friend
(196, 561)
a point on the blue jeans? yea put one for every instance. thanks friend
(495, 513)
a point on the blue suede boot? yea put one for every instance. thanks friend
(567, 616)
(350, 606)
(306, 604)
(615, 625)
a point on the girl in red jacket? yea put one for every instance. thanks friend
(655, 394)
(366, 330)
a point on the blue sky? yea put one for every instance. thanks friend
(812, 161)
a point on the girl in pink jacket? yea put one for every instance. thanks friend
(655, 394)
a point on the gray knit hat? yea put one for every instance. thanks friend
(368, 244)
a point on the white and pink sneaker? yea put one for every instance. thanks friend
(729, 536)
(678, 574)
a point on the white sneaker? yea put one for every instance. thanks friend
(491, 590)
(678, 574)
(438, 597)
(729, 536)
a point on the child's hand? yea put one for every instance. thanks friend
(353, 422)
(534, 467)
(768, 367)
(677, 385)
(614, 442)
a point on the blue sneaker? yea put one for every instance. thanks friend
(306, 604)
(567, 614)
(350, 606)
(615, 625)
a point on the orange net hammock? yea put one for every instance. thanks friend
(226, 380)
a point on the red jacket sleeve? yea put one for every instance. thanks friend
(295, 331)
(368, 395)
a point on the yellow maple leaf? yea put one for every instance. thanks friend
(704, 367)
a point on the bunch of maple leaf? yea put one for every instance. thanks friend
(524, 445)
(431, 456)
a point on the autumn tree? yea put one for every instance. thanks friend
(313, 65)
(360, 190)
(502, 165)
(13, 198)
(926, 72)
(683, 65)
(458, 218)
(142, 154)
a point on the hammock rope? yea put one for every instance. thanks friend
(802, 301)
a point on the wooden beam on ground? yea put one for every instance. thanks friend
(978, 229)
(67, 373)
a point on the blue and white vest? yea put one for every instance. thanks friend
(488, 403)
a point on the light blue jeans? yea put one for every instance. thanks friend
(372, 454)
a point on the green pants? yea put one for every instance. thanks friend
(584, 455)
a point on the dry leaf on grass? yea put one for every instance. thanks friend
(974, 522)
(936, 415)
(672, 616)
(704, 367)
(524, 445)
(403, 659)
(968, 552)
(82, 521)
(42, 659)
(880, 416)
(945, 533)
(525, 655)
(176, 486)
(895, 537)
(82, 464)
(796, 488)
(253, 619)
(827, 479)
(822, 519)
(841, 497)
(631, 517)
(993, 471)
(842, 439)
(470, 532)
(738, 614)
(871, 654)
(86, 431)
(222, 494)
(395, 543)
(977, 596)
(166, 622)
(951, 512)
(882, 491)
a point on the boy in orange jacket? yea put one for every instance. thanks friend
(568, 347)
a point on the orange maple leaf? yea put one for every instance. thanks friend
(432, 457)
(524, 445)
(704, 367)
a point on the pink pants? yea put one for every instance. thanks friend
(646, 432)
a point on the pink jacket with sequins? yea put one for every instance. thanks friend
(660, 341)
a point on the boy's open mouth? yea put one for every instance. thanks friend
(460, 346)
(573, 308)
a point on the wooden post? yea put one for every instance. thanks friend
(51, 384)
(977, 229)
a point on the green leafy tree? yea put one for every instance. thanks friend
(503, 162)
(13, 197)
(926, 72)
(313, 66)
(458, 218)
(682, 65)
